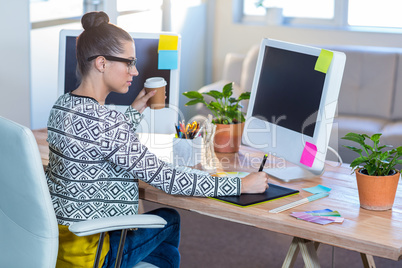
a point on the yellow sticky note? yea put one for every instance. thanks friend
(323, 61)
(168, 42)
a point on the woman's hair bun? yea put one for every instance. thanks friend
(94, 19)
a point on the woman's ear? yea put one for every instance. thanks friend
(100, 64)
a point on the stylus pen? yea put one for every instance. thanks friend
(263, 162)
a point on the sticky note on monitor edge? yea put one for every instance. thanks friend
(167, 60)
(323, 61)
(308, 155)
(168, 42)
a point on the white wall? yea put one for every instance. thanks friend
(232, 37)
(15, 61)
(44, 67)
(190, 23)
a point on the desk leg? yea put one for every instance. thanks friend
(292, 254)
(368, 261)
(308, 251)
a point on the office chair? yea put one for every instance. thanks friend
(28, 226)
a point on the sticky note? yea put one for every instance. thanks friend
(323, 61)
(167, 60)
(308, 155)
(168, 42)
(317, 189)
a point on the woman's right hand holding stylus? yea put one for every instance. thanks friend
(256, 182)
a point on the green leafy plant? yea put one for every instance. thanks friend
(225, 109)
(259, 3)
(267, 3)
(378, 161)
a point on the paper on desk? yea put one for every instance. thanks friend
(327, 213)
(317, 189)
(323, 216)
(310, 218)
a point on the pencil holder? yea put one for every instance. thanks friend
(187, 152)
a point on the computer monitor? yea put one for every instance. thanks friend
(292, 106)
(146, 45)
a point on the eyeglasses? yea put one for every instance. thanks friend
(130, 62)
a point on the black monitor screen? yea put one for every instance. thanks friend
(147, 65)
(289, 90)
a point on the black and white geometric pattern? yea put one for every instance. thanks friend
(96, 160)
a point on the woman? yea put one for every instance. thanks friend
(95, 159)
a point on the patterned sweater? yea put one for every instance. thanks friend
(96, 160)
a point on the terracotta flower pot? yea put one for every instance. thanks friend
(377, 192)
(228, 138)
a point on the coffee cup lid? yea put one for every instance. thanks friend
(155, 82)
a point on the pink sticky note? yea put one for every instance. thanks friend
(308, 155)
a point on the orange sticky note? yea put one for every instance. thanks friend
(323, 61)
(168, 42)
(308, 155)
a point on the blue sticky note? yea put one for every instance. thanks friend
(317, 189)
(167, 59)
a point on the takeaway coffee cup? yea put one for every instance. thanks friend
(157, 101)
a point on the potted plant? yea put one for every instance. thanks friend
(228, 117)
(376, 175)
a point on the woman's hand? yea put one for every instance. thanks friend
(256, 182)
(140, 102)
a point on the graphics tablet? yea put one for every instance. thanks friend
(273, 192)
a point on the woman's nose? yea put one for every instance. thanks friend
(134, 71)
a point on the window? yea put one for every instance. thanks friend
(336, 13)
(128, 5)
(294, 8)
(375, 13)
(132, 15)
(317, 9)
(55, 12)
(140, 16)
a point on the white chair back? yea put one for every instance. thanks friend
(28, 226)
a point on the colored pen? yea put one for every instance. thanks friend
(177, 130)
(263, 162)
(183, 129)
(198, 133)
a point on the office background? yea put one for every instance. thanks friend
(28, 80)
(28, 75)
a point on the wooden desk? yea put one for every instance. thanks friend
(368, 232)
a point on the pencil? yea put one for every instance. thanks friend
(263, 162)
(177, 130)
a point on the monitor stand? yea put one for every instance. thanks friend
(290, 173)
